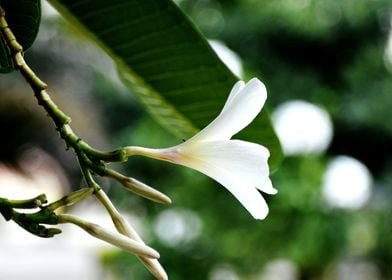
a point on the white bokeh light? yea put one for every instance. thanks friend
(388, 48)
(351, 269)
(177, 227)
(347, 183)
(302, 127)
(280, 269)
(230, 58)
(223, 272)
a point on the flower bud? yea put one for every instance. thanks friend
(126, 229)
(139, 188)
(71, 199)
(116, 239)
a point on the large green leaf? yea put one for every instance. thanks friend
(164, 60)
(23, 17)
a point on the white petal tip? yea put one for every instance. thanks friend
(273, 191)
(261, 216)
(256, 82)
(238, 85)
(266, 187)
(261, 212)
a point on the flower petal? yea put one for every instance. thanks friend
(242, 106)
(239, 166)
(236, 89)
(249, 197)
(241, 159)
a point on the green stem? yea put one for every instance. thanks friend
(84, 152)
(89, 177)
(31, 203)
(32, 222)
(7, 206)
(60, 119)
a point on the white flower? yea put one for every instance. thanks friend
(240, 166)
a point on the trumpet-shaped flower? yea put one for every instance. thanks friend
(240, 166)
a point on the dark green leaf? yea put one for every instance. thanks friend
(6, 64)
(163, 58)
(23, 17)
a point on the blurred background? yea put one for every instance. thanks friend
(327, 67)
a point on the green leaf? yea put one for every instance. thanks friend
(166, 61)
(23, 17)
(6, 64)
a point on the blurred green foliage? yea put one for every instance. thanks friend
(330, 53)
